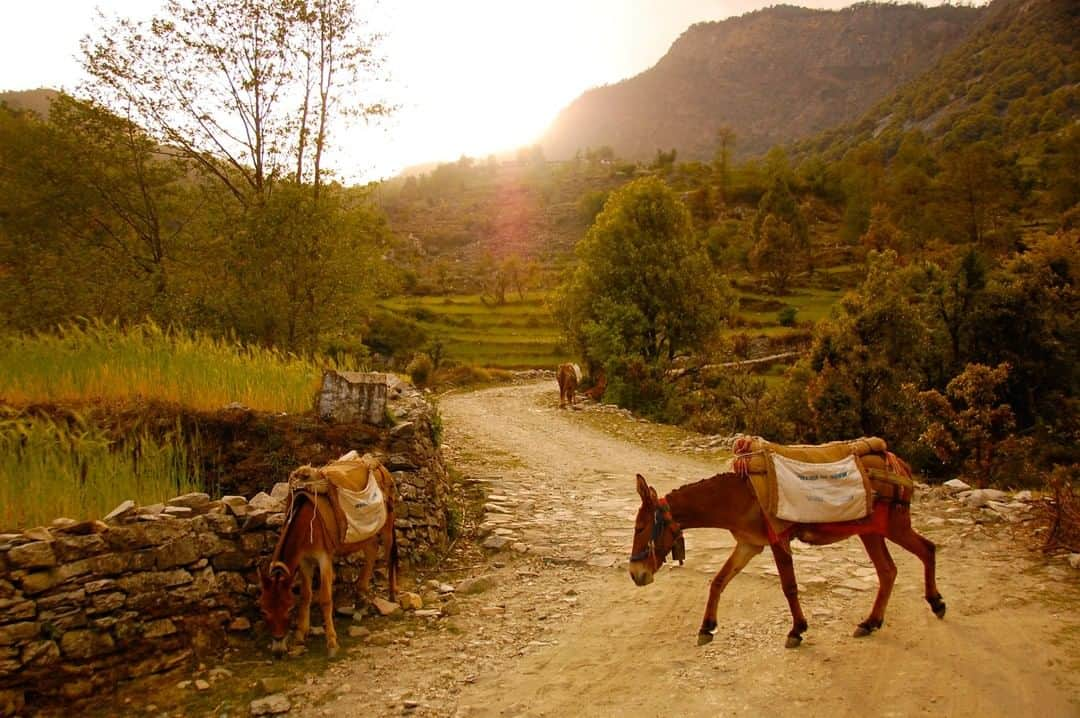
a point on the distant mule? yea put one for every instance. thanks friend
(568, 376)
(315, 531)
(727, 501)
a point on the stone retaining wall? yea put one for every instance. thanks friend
(87, 605)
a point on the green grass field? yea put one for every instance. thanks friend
(50, 469)
(104, 362)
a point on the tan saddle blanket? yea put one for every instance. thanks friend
(823, 483)
(353, 491)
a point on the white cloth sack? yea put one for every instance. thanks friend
(365, 511)
(819, 493)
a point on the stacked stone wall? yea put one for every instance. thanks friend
(85, 606)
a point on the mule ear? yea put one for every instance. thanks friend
(643, 489)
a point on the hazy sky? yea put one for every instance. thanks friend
(471, 76)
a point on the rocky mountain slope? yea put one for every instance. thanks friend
(773, 76)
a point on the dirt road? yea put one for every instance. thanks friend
(1010, 645)
(546, 622)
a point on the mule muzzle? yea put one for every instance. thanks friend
(640, 574)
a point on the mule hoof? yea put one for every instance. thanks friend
(793, 642)
(862, 631)
(939, 610)
(332, 652)
(704, 638)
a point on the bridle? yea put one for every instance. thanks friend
(661, 520)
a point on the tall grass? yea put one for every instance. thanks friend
(50, 469)
(98, 361)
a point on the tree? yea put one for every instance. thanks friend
(969, 426)
(642, 288)
(725, 148)
(781, 234)
(976, 187)
(245, 89)
(775, 251)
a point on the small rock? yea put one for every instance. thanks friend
(272, 684)
(265, 502)
(195, 501)
(218, 674)
(240, 624)
(980, 497)
(201, 685)
(956, 485)
(270, 705)
(358, 632)
(280, 491)
(183, 685)
(410, 601)
(428, 613)
(1074, 560)
(121, 512)
(384, 607)
(476, 584)
(1022, 496)
(178, 511)
(496, 543)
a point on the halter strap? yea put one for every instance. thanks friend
(661, 519)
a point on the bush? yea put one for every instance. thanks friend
(786, 316)
(420, 369)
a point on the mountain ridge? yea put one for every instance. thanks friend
(824, 68)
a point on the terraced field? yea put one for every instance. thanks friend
(522, 333)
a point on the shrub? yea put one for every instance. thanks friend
(786, 316)
(420, 369)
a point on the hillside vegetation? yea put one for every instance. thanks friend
(771, 76)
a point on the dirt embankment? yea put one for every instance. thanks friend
(557, 628)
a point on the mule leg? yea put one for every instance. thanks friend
(303, 619)
(363, 584)
(901, 533)
(786, 566)
(886, 572)
(740, 556)
(326, 602)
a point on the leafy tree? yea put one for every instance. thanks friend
(863, 355)
(245, 89)
(977, 187)
(968, 426)
(642, 289)
(781, 233)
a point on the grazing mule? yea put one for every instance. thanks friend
(568, 376)
(727, 501)
(312, 536)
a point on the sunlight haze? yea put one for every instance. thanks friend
(473, 77)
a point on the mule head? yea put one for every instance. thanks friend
(276, 602)
(656, 535)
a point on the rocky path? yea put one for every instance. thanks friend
(544, 621)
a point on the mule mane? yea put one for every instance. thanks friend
(701, 484)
